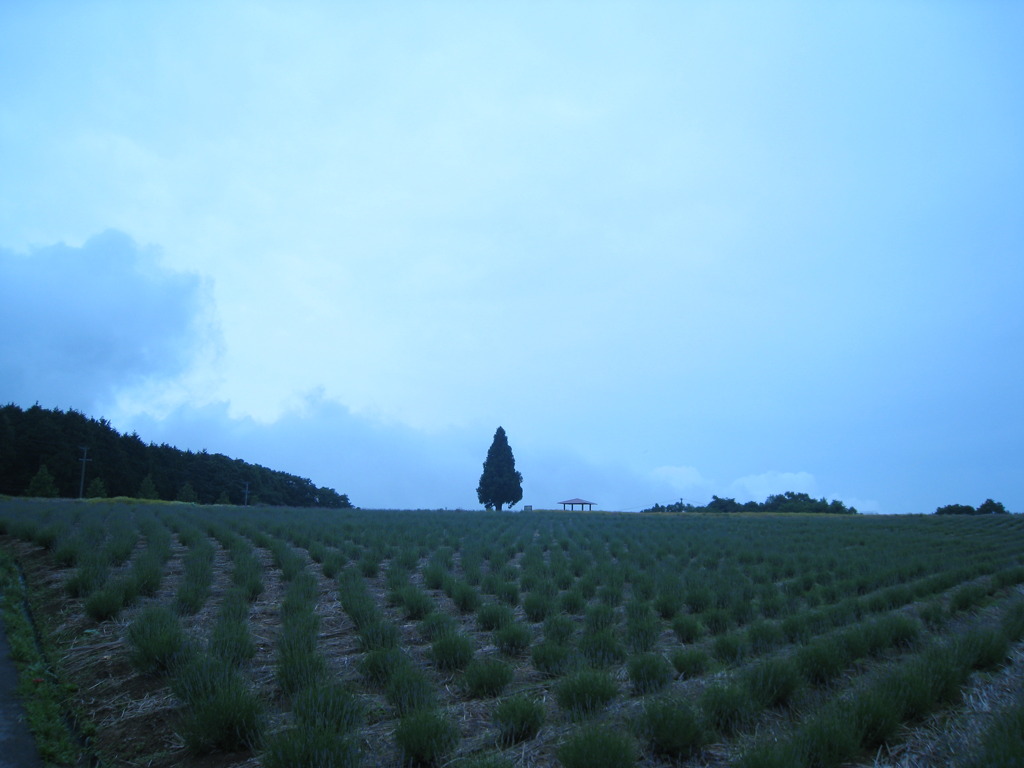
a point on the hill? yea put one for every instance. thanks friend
(124, 465)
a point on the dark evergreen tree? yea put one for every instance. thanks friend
(500, 483)
(147, 490)
(42, 485)
(97, 489)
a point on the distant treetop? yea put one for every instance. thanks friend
(788, 502)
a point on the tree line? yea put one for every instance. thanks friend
(41, 453)
(788, 502)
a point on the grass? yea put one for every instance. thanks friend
(329, 706)
(39, 689)
(672, 728)
(485, 678)
(649, 672)
(156, 638)
(452, 652)
(426, 737)
(518, 718)
(319, 747)
(598, 747)
(585, 692)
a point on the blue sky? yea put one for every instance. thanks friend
(674, 249)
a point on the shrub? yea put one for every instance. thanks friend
(494, 616)
(598, 617)
(378, 666)
(408, 690)
(107, 601)
(585, 692)
(426, 737)
(772, 682)
(687, 628)
(602, 648)
(821, 660)
(537, 606)
(452, 651)
(512, 639)
(518, 718)
(552, 659)
(311, 747)
(486, 677)
(378, 634)
(157, 639)
(436, 625)
(672, 728)
(465, 597)
(416, 602)
(558, 628)
(221, 712)
(690, 662)
(649, 672)
(763, 636)
(726, 707)
(328, 707)
(572, 601)
(642, 631)
(231, 641)
(598, 747)
(730, 648)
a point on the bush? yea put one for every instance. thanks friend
(602, 648)
(726, 707)
(687, 628)
(408, 690)
(426, 737)
(649, 672)
(690, 662)
(552, 659)
(232, 642)
(416, 602)
(672, 728)
(378, 634)
(220, 712)
(513, 639)
(537, 606)
(585, 692)
(328, 707)
(378, 666)
(598, 747)
(486, 677)
(772, 682)
(452, 651)
(821, 660)
(518, 718)
(494, 616)
(157, 639)
(558, 629)
(465, 597)
(311, 747)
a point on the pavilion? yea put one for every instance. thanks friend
(582, 503)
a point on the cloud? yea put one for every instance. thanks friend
(759, 487)
(85, 325)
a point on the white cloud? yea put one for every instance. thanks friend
(759, 487)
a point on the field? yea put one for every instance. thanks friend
(221, 636)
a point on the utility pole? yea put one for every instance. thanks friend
(81, 481)
(246, 494)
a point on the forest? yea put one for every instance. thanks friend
(45, 449)
(788, 502)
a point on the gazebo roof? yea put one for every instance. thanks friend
(575, 501)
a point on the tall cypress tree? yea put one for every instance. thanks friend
(499, 483)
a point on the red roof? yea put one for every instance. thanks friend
(576, 501)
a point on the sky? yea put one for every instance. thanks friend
(675, 249)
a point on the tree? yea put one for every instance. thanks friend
(956, 509)
(187, 493)
(500, 483)
(147, 490)
(43, 485)
(97, 489)
(990, 507)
